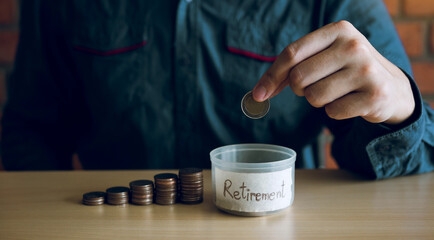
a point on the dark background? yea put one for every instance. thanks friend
(414, 20)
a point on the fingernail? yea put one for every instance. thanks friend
(259, 93)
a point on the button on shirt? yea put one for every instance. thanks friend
(158, 84)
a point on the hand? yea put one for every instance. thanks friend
(337, 68)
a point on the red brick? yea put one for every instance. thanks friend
(411, 36)
(8, 46)
(8, 9)
(432, 37)
(431, 104)
(327, 132)
(330, 162)
(424, 76)
(392, 6)
(419, 7)
(2, 88)
(76, 164)
(1, 164)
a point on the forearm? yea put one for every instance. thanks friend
(378, 151)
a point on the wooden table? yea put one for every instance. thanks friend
(329, 204)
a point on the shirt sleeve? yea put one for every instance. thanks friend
(377, 150)
(38, 130)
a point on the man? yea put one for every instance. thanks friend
(158, 85)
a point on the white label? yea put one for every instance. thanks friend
(253, 192)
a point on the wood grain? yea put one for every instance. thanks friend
(329, 204)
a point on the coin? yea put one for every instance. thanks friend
(190, 171)
(191, 185)
(94, 198)
(117, 195)
(141, 202)
(139, 184)
(94, 195)
(121, 191)
(166, 186)
(165, 177)
(169, 188)
(252, 108)
(142, 192)
(142, 196)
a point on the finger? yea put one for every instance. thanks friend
(282, 86)
(295, 53)
(348, 106)
(333, 87)
(358, 104)
(315, 68)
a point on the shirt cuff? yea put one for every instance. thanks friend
(390, 155)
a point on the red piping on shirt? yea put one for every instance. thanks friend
(252, 55)
(110, 52)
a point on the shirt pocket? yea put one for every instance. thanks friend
(108, 29)
(114, 37)
(251, 48)
(110, 49)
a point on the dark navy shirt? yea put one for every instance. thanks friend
(158, 84)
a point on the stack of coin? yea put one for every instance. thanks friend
(165, 188)
(117, 195)
(142, 192)
(191, 185)
(94, 198)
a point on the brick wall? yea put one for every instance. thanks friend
(8, 43)
(414, 20)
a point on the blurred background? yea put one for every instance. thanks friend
(414, 20)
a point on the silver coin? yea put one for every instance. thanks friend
(252, 108)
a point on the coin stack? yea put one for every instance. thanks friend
(142, 192)
(117, 195)
(165, 188)
(93, 198)
(191, 185)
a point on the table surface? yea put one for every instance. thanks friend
(329, 204)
